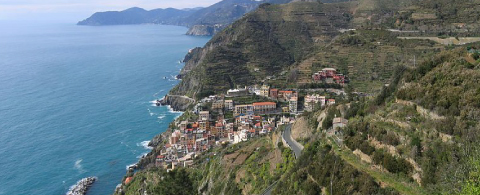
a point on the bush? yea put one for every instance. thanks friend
(392, 164)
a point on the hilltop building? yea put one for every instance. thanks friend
(329, 75)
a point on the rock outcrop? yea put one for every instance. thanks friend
(82, 186)
(204, 30)
(176, 102)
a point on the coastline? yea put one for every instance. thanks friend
(146, 159)
(175, 104)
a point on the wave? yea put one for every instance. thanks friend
(161, 117)
(142, 155)
(131, 166)
(156, 94)
(170, 110)
(150, 112)
(78, 166)
(145, 145)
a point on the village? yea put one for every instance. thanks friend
(242, 114)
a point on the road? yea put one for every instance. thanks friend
(292, 144)
(269, 189)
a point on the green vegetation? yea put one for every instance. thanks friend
(332, 112)
(320, 169)
(418, 134)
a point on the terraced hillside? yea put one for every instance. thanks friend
(271, 39)
(368, 57)
(419, 136)
(302, 37)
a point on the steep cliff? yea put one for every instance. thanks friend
(204, 30)
(177, 103)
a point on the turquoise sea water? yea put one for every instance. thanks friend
(75, 101)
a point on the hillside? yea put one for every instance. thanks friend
(415, 132)
(419, 136)
(321, 38)
(270, 39)
(201, 21)
(138, 16)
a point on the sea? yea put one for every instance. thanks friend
(76, 101)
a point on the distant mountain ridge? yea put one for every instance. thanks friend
(137, 15)
(201, 21)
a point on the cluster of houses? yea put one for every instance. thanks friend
(330, 76)
(210, 127)
(289, 96)
(311, 101)
(192, 137)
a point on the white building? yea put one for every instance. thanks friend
(293, 104)
(265, 91)
(339, 123)
(237, 92)
(204, 116)
(312, 100)
(240, 136)
(229, 105)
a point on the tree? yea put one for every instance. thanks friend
(176, 182)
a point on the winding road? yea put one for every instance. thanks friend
(292, 144)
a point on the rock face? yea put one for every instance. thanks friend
(176, 102)
(204, 30)
(82, 186)
(300, 129)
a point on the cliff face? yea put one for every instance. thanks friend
(177, 103)
(204, 30)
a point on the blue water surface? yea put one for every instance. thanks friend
(75, 101)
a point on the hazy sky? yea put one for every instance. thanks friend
(78, 9)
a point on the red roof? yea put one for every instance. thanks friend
(160, 156)
(128, 180)
(263, 103)
(258, 124)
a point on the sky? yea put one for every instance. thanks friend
(70, 10)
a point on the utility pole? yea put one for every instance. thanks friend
(414, 61)
(333, 176)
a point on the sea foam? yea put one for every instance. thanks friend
(131, 166)
(145, 145)
(78, 166)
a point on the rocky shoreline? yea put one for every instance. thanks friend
(176, 102)
(204, 30)
(82, 186)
